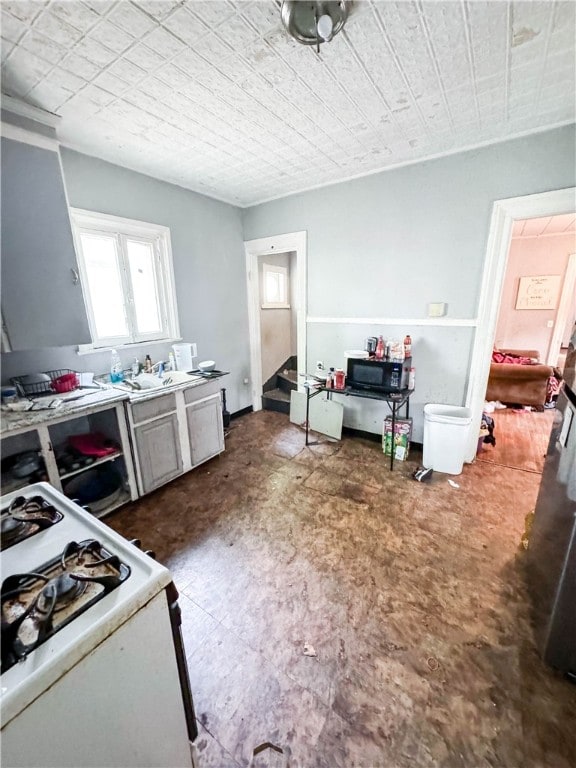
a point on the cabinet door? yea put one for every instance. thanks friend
(205, 430)
(42, 301)
(158, 449)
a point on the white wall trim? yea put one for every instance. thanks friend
(290, 242)
(504, 213)
(81, 219)
(106, 220)
(564, 306)
(16, 133)
(452, 322)
(17, 107)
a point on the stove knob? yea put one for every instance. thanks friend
(150, 553)
(136, 542)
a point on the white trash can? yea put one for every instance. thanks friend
(446, 430)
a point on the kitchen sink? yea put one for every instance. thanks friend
(145, 382)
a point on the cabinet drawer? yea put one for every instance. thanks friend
(151, 408)
(192, 394)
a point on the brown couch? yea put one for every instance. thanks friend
(521, 384)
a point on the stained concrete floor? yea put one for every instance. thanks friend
(412, 596)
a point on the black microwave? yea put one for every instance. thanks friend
(378, 375)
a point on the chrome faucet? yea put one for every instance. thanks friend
(159, 367)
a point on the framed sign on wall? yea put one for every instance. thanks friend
(538, 292)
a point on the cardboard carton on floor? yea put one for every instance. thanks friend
(403, 433)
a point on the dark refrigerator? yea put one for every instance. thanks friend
(552, 546)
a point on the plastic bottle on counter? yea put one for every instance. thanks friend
(411, 378)
(330, 379)
(172, 361)
(116, 372)
(407, 346)
(339, 379)
(379, 354)
(148, 364)
(135, 367)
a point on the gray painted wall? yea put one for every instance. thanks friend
(384, 245)
(387, 244)
(209, 266)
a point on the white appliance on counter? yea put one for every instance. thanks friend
(93, 671)
(184, 356)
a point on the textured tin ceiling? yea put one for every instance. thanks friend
(215, 96)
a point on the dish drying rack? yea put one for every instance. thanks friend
(46, 387)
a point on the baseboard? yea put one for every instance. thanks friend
(241, 412)
(350, 432)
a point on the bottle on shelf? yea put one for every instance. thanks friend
(411, 378)
(407, 346)
(116, 372)
(379, 354)
(330, 379)
(339, 379)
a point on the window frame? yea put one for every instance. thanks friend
(277, 269)
(123, 229)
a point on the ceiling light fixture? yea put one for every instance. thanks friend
(314, 22)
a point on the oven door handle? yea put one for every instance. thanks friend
(176, 624)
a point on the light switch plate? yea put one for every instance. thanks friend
(437, 309)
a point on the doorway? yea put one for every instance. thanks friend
(537, 310)
(522, 214)
(273, 251)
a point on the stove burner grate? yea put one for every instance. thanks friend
(26, 517)
(36, 605)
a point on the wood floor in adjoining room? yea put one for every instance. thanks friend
(522, 438)
(411, 594)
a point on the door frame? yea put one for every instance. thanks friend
(296, 242)
(564, 305)
(504, 214)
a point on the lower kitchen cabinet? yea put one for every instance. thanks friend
(101, 482)
(205, 429)
(158, 453)
(174, 432)
(141, 444)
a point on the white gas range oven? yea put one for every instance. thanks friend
(93, 671)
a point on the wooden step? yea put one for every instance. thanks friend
(276, 400)
(287, 380)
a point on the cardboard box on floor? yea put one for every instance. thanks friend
(403, 433)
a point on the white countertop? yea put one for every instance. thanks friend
(90, 401)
